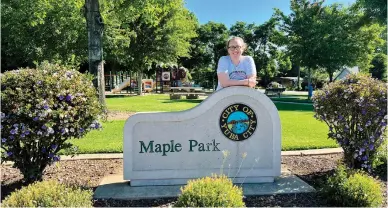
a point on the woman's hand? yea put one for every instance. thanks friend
(252, 82)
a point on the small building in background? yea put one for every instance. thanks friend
(346, 71)
(288, 82)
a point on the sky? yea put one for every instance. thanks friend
(249, 11)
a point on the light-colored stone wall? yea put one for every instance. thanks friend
(201, 124)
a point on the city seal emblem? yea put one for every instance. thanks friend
(238, 122)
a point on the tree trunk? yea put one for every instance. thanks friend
(298, 81)
(95, 27)
(331, 76)
(139, 83)
(310, 89)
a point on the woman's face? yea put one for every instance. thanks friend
(235, 48)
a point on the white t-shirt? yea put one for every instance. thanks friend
(241, 71)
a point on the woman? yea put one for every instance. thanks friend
(236, 69)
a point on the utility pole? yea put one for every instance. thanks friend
(95, 28)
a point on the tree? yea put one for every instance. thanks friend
(264, 43)
(379, 67)
(268, 55)
(38, 30)
(95, 28)
(301, 28)
(374, 10)
(246, 32)
(162, 30)
(207, 48)
(342, 43)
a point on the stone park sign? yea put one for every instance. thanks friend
(170, 148)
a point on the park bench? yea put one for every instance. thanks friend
(274, 91)
(189, 92)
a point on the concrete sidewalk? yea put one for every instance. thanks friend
(103, 156)
(284, 153)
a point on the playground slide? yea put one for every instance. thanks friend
(124, 84)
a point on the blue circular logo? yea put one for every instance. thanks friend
(238, 122)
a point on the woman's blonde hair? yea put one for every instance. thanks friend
(244, 46)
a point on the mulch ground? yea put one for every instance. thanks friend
(88, 173)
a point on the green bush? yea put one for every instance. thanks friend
(274, 85)
(49, 194)
(352, 189)
(40, 110)
(215, 191)
(355, 110)
(379, 165)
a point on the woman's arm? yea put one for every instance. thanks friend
(224, 80)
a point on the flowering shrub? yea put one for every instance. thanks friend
(49, 194)
(355, 109)
(347, 188)
(215, 191)
(41, 109)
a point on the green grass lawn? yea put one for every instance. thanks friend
(292, 98)
(299, 129)
(149, 103)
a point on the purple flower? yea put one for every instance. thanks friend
(359, 128)
(364, 158)
(43, 150)
(22, 135)
(371, 147)
(36, 119)
(50, 130)
(13, 131)
(39, 82)
(68, 97)
(362, 150)
(383, 123)
(51, 155)
(27, 132)
(340, 117)
(61, 97)
(3, 140)
(46, 107)
(81, 130)
(16, 126)
(2, 115)
(68, 74)
(56, 158)
(11, 137)
(368, 123)
(44, 127)
(363, 111)
(9, 153)
(54, 146)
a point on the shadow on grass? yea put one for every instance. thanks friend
(183, 101)
(7, 189)
(294, 107)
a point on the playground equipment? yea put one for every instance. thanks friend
(125, 83)
(148, 85)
